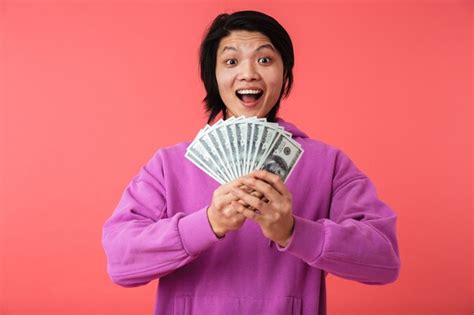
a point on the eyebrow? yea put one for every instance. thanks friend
(265, 46)
(258, 49)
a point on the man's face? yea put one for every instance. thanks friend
(249, 73)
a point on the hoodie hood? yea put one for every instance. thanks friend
(297, 133)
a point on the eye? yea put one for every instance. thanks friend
(264, 60)
(231, 62)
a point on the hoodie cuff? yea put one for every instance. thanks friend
(196, 232)
(307, 240)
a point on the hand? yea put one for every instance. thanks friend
(273, 212)
(222, 216)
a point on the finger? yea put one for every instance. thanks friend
(230, 212)
(243, 180)
(271, 179)
(257, 194)
(224, 200)
(246, 212)
(246, 188)
(241, 202)
(264, 188)
(252, 201)
(226, 188)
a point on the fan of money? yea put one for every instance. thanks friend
(239, 145)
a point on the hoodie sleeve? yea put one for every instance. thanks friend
(358, 240)
(141, 242)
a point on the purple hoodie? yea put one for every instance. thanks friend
(160, 230)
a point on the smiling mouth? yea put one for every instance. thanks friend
(248, 96)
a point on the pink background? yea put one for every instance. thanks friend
(90, 90)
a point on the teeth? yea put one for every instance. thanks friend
(249, 91)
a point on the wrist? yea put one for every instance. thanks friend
(287, 240)
(218, 232)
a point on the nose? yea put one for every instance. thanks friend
(248, 72)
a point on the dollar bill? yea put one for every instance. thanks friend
(236, 146)
(268, 135)
(282, 157)
(209, 143)
(198, 161)
(257, 139)
(230, 131)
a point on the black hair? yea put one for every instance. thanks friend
(252, 21)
